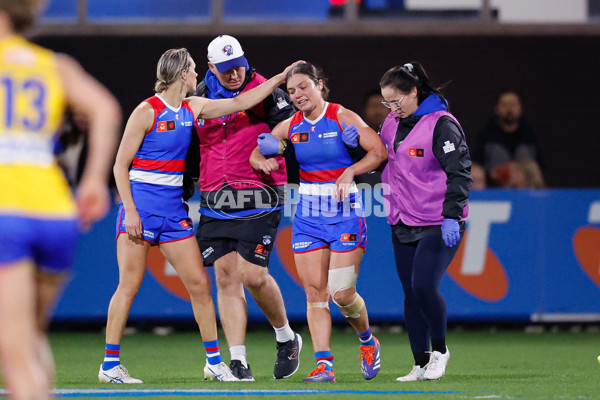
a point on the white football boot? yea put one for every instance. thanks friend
(208, 375)
(220, 372)
(436, 367)
(118, 374)
(416, 374)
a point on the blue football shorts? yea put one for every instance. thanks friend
(49, 243)
(346, 235)
(157, 229)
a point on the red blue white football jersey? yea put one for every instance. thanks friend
(157, 172)
(322, 157)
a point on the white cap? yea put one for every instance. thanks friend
(225, 52)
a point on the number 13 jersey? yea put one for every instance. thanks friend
(31, 109)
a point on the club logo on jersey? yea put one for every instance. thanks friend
(164, 126)
(348, 237)
(300, 137)
(416, 152)
(260, 249)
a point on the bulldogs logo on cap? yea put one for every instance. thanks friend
(225, 53)
(228, 50)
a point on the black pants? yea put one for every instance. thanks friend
(420, 266)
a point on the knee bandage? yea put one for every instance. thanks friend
(353, 309)
(317, 304)
(342, 279)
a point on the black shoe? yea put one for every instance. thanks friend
(239, 371)
(288, 358)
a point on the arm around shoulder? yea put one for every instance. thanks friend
(218, 108)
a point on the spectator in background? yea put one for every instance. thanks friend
(479, 177)
(507, 137)
(374, 112)
(229, 238)
(522, 174)
(38, 214)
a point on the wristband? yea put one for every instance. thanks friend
(286, 147)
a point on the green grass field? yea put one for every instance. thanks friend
(484, 365)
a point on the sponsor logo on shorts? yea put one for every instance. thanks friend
(260, 249)
(348, 237)
(185, 224)
(148, 234)
(207, 252)
(301, 245)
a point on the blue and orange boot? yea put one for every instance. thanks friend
(320, 374)
(370, 362)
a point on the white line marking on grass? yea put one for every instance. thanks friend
(76, 393)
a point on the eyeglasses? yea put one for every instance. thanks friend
(393, 103)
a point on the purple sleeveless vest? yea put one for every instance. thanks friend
(416, 180)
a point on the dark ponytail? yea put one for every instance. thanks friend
(411, 75)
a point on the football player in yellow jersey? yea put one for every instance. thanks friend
(38, 216)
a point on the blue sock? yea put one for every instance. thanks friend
(325, 358)
(366, 338)
(111, 356)
(213, 354)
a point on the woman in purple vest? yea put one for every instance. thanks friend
(428, 174)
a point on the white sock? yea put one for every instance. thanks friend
(239, 353)
(285, 333)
